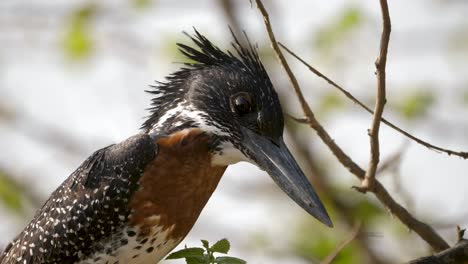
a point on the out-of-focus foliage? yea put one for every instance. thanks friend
(77, 40)
(331, 101)
(315, 243)
(464, 97)
(141, 4)
(415, 104)
(336, 31)
(258, 240)
(10, 193)
(367, 210)
(358, 206)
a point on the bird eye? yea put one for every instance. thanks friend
(242, 104)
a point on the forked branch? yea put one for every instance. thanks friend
(423, 230)
(428, 145)
(454, 255)
(380, 65)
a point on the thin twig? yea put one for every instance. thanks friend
(280, 56)
(343, 211)
(454, 255)
(302, 120)
(428, 145)
(380, 65)
(349, 239)
(423, 230)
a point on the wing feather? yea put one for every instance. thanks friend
(86, 209)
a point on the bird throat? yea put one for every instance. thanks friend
(176, 185)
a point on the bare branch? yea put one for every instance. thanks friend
(354, 232)
(423, 230)
(343, 210)
(284, 64)
(428, 145)
(302, 120)
(380, 65)
(454, 255)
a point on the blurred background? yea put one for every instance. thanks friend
(72, 80)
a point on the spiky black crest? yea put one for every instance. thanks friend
(211, 55)
(170, 93)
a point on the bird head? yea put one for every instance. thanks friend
(231, 98)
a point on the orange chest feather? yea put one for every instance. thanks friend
(176, 185)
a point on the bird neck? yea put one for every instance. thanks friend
(178, 184)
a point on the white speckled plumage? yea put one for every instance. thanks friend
(135, 250)
(88, 218)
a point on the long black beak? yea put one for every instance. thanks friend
(275, 158)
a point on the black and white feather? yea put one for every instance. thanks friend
(211, 76)
(88, 210)
(85, 219)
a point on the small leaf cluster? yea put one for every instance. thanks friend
(205, 255)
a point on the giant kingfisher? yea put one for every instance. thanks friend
(134, 201)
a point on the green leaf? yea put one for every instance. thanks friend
(351, 18)
(222, 246)
(196, 260)
(187, 253)
(331, 101)
(205, 243)
(77, 41)
(229, 260)
(312, 242)
(10, 194)
(319, 246)
(367, 210)
(141, 4)
(415, 104)
(335, 32)
(85, 12)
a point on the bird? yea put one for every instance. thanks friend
(135, 201)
